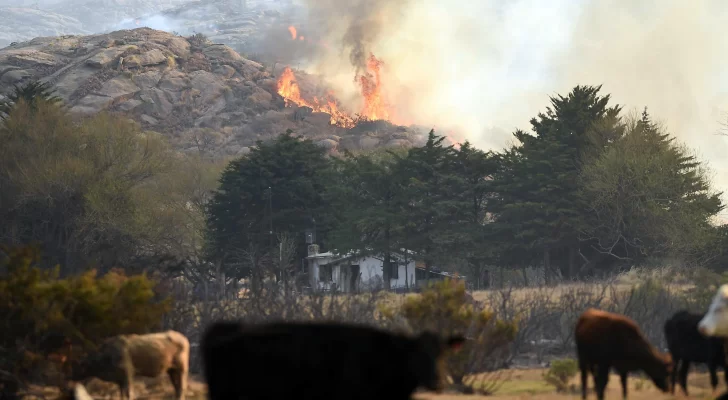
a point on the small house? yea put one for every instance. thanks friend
(351, 273)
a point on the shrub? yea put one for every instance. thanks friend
(198, 39)
(705, 285)
(87, 308)
(446, 308)
(560, 373)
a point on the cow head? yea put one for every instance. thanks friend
(428, 364)
(715, 321)
(661, 371)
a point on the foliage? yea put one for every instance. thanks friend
(80, 189)
(560, 373)
(472, 187)
(367, 193)
(279, 184)
(444, 308)
(705, 285)
(36, 304)
(649, 196)
(539, 212)
(428, 205)
(198, 39)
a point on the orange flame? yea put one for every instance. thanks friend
(288, 88)
(375, 106)
(292, 29)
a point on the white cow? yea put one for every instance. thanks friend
(715, 321)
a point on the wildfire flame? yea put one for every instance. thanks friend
(288, 88)
(375, 106)
(292, 29)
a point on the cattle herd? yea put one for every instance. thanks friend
(327, 360)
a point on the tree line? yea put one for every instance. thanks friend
(590, 189)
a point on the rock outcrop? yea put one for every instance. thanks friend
(203, 96)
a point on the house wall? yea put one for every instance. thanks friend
(370, 270)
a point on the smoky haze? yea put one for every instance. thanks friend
(487, 67)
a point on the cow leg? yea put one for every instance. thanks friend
(601, 378)
(125, 385)
(713, 369)
(725, 374)
(585, 376)
(125, 391)
(673, 376)
(179, 381)
(684, 368)
(623, 379)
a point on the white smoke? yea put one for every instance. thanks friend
(158, 22)
(487, 67)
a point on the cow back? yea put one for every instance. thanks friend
(307, 361)
(685, 341)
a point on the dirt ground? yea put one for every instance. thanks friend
(529, 384)
(519, 384)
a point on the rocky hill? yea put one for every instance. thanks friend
(203, 96)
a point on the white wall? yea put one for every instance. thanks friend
(371, 267)
(370, 270)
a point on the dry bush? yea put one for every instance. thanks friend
(44, 315)
(446, 308)
(269, 302)
(546, 316)
(198, 40)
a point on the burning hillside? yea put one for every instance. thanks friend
(377, 101)
(288, 88)
(375, 106)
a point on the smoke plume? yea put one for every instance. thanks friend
(487, 67)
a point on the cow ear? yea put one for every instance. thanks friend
(455, 343)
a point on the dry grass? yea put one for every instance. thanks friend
(528, 384)
(556, 292)
(522, 384)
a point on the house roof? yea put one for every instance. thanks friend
(328, 254)
(443, 273)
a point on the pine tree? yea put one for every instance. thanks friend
(368, 195)
(243, 210)
(539, 213)
(429, 207)
(473, 171)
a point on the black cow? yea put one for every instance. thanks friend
(687, 344)
(320, 361)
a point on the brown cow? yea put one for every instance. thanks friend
(605, 340)
(120, 358)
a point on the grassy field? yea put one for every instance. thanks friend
(521, 384)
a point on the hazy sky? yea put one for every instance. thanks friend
(487, 67)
